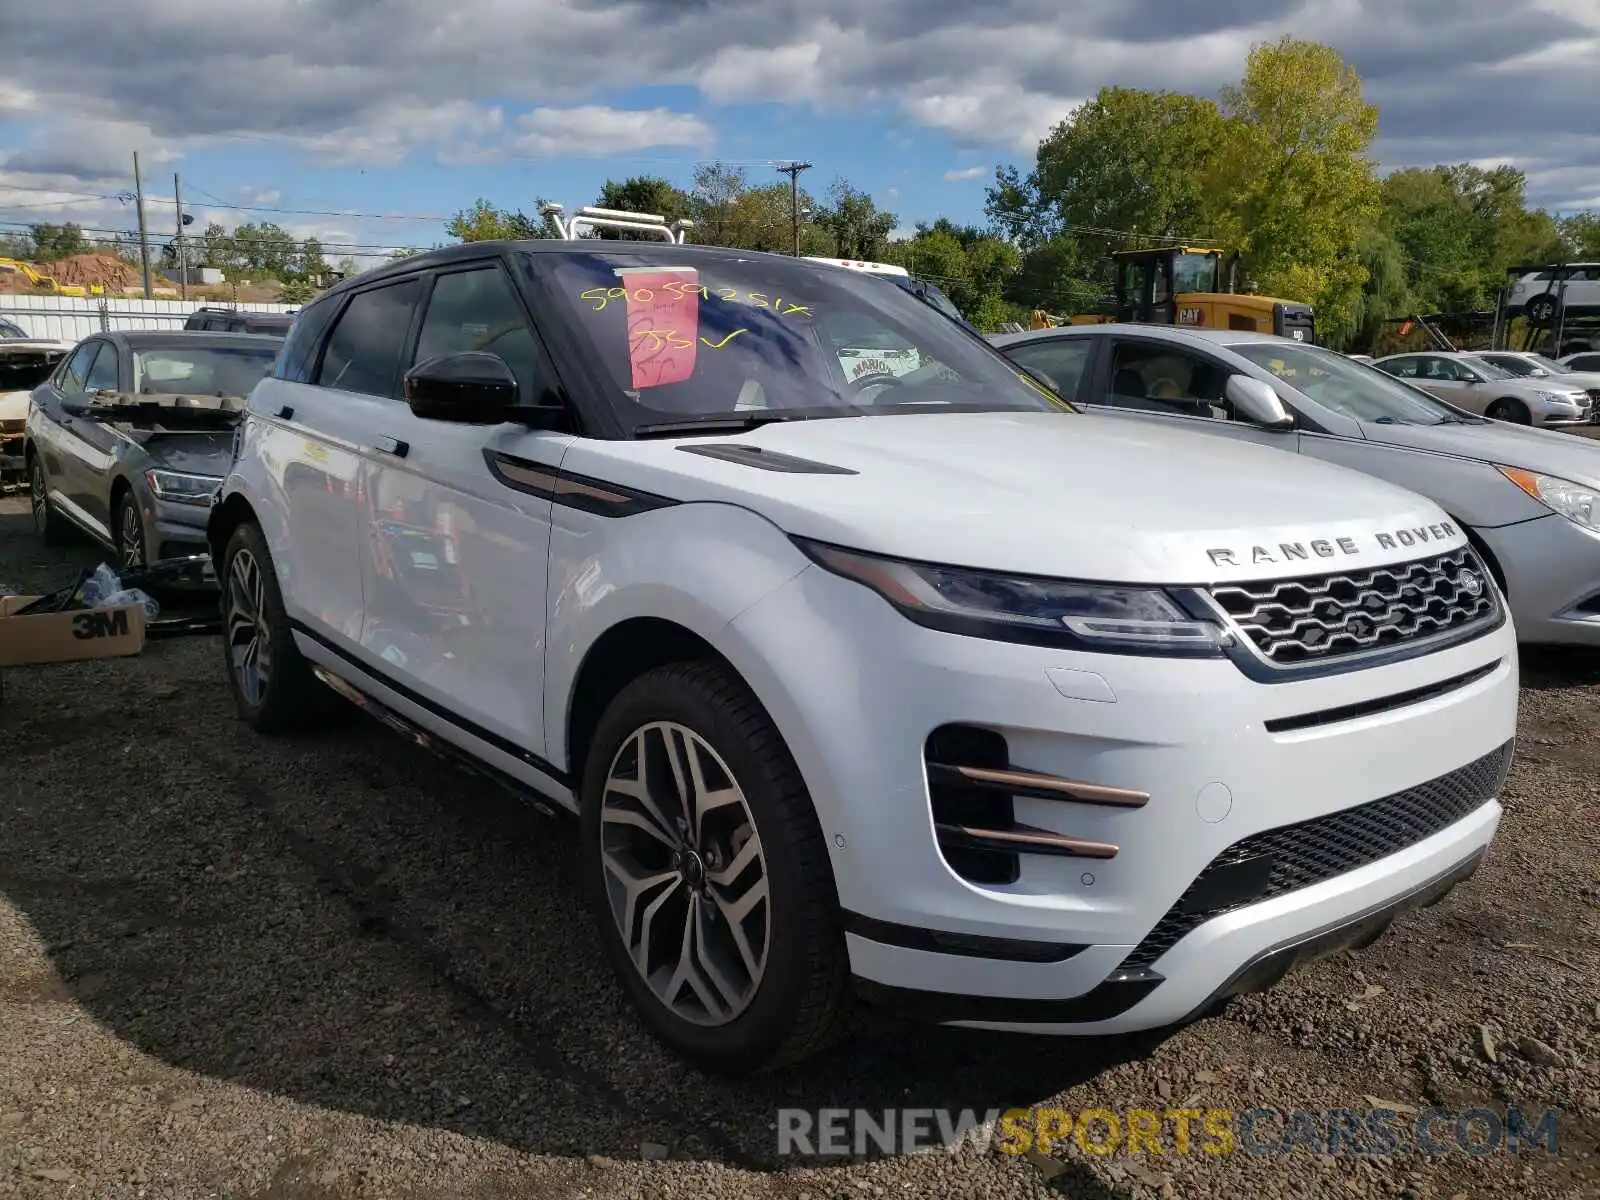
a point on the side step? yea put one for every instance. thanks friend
(434, 744)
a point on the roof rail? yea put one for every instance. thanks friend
(590, 217)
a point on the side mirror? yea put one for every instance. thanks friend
(1258, 402)
(469, 386)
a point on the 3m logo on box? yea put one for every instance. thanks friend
(100, 624)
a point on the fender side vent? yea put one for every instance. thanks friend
(767, 460)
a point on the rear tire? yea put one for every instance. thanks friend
(699, 838)
(1507, 409)
(272, 683)
(47, 523)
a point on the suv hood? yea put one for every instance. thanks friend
(1545, 450)
(1073, 496)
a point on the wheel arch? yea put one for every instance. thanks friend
(234, 511)
(624, 652)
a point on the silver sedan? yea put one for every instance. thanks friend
(1528, 498)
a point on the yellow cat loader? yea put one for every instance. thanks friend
(1177, 285)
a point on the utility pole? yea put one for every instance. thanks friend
(144, 236)
(792, 170)
(183, 253)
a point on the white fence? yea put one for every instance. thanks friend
(72, 318)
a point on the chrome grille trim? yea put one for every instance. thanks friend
(1331, 618)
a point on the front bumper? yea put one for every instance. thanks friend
(856, 690)
(1552, 570)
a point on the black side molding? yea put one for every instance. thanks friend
(967, 945)
(767, 460)
(588, 495)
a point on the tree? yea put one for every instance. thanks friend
(1294, 183)
(309, 263)
(264, 251)
(717, 189)
(1127, 166)
(52, 242)
(970, 266)
(483, 222)
(852, 218)
(644, 194)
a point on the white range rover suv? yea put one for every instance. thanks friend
(919, 688)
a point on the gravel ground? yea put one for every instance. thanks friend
(333, 967)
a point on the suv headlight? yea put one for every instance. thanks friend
(180, 488)
(1022, 608)
(1577, 502)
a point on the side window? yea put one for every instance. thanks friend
(103, 375)
(75, 374)
(1060, 360)
(477, 310)
(1166, 379)
(1586, 362)
(363, 352)
(1405, 368)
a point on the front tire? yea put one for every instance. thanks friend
(131, 547)
(1507, 409)
(271, 681)
(1541, 310)
(706, 869)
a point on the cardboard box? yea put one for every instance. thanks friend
(67, 636)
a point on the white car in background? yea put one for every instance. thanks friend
(25, 363)
(1471, 382)
(1584, 360)
(1537, 366)
(1542, 294)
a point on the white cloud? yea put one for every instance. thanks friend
(962, 174)
(593, 131)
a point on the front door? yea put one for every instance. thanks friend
(454, 561)
(1151, 380)
(97, 442)
(63, 438)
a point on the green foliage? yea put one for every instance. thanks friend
(483, 222)
(47, 243)
(969, 265)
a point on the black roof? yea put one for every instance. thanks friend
(157, 339)
(444, 255)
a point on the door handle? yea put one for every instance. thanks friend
(394, 446)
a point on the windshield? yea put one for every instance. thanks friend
(1485, 366)
(685, 337)
(1548, 364)
(201, 370)
(1346, 386)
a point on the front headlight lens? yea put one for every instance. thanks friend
(1577, 502)
(1027, 609)
(180, 488)
(1560, 398)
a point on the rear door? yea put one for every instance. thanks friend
(319, 418)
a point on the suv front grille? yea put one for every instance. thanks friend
(1317, 618)
(1278, 861)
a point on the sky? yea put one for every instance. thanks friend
(365, 123)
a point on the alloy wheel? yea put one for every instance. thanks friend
(249, 648)
(132, 535)
(38, 497)
(685, 873)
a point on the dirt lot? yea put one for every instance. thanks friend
(332, 967)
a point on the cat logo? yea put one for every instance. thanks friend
(1190, 316)
(100, 624)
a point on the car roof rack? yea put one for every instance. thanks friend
(590, 217)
